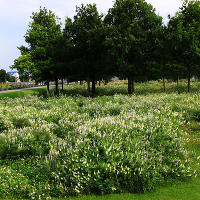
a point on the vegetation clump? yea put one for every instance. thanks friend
(108, 144)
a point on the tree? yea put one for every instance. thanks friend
(11, 78)
(24, 66)
(71, 67)
(88, 39)
(185, 38)
(3, 76)
(161, 56)
(135, 24)
(43, 37)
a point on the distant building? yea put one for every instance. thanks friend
(15, 74)
(115, 78)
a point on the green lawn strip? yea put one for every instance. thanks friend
(177, 191)
(189, 190)
(22, 93)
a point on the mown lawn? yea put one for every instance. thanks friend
(22, 93)
(176, 191)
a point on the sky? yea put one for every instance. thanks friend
(15, 17)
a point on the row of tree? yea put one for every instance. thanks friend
(4, 77)
(130, 42)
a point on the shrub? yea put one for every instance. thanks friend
(80, 145)
(13, 184)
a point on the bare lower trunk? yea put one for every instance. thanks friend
(99, 83)
(93, 88)
(48, 90)
(62, 85)
(88, 85)
(164, 87)
(177, 81)
(56, 92)
(130, 85)
(189, 76)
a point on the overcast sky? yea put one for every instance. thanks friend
(15, 17)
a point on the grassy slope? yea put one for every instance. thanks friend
(170, 191)
(180, 191)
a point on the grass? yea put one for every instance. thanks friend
(171, 191)
(178, 191)
(120, 87)
(22, 93)
(147, 95)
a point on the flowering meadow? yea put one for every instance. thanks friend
(74, 145)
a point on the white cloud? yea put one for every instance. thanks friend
(166, 7)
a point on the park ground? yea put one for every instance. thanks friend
(169, 190)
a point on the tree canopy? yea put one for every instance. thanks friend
(135, 24)
(130, 41)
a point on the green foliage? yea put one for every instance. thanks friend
(129, 42)
(43, 36)
(135, 25)
(79, 145)
(88, 33)
(184, 38)
(4, 76)
(24, 66)
(13, 184)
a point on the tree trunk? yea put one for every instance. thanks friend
(88, 85)
(177, 81)
(130, 85)
(56, 92)
(62, 85)
(189, 82)
(48, 90)
(81, 82)
(99, 83)
(93, 87)
(164, 87)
